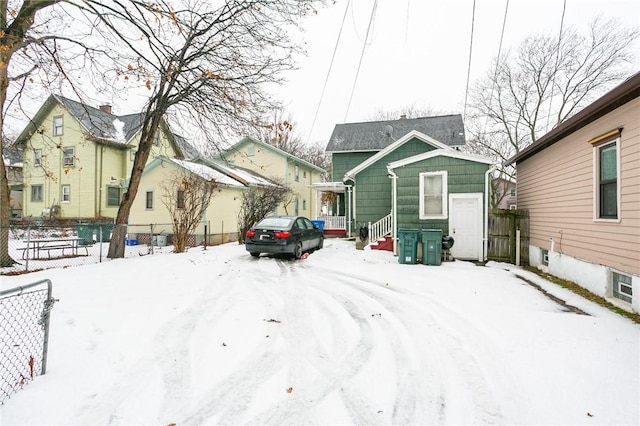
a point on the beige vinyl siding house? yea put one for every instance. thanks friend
(221, 216)
(282, 167)
(77, 159)
(581, 185)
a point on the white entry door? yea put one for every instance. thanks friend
(465, 225)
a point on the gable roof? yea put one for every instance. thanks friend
(12, 156)
(248, 139)
(615, 98)
(204, 171)
(414, 134)
(102, 125)
(452, 153)
(377, 135)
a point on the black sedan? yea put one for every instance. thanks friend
(293, 235)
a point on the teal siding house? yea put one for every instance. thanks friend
(410, 174)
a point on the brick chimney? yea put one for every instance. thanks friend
(106, 108)
(403, 117)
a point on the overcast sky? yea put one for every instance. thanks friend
(417, 53)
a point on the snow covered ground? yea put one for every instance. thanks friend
(342, 337)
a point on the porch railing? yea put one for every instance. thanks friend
(333, 222)
(380, 228)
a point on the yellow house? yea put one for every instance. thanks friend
(220, 217)
(282, 167)
(77, 158)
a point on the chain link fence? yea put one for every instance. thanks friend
(37, 246)
(24, 335)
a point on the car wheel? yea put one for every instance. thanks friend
(321, 243)
(254, 254)
(297, 252)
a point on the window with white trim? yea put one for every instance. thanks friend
(433, 195)
(58, 125)
(68, 156)
(622, 287)
(66, 193)
(37, 157)
(149, 200)
(36, 193)
(607, 179)
(297, 172)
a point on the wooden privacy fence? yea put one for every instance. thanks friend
(503, 225)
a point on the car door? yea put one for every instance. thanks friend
(313, 236)
(303, 232)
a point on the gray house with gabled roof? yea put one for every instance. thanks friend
(409, 173)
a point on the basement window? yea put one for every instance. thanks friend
(545, 257)
(622, 288)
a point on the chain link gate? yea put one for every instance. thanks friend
(24, 335)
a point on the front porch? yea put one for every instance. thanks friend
(332, 207)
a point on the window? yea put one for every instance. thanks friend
(304, 204)
(433, 195)
(606, 173)
(180, 199)
(66, 193)
(295, 208)
(513, 192)
(68, 156)
(297, 172)
(149, 200)
(545, 257)
(513, 207)
(156, 139)
(36, 193)
(622, 288)
(37, 157)
(113, 196)
(304, 174)
(57, 126)
(251, 151)
(132, 155)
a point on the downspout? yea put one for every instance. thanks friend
(394, 209)
(487, 188)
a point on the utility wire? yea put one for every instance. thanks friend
(555, 70)
(406, 23)
(364, 45)
(326, 80)
(466, 94)
(495, 73)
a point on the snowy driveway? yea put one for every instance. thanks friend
(343, 337)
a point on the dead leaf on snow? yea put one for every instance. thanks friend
(290, 390)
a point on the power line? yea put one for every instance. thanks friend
(364, 45)
(326, 80)
(495, 73)
(466, 94)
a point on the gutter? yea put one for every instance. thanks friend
(394, 210)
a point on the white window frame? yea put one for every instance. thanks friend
(296, 172)
(148, 202)
(596, 180)
(132, 155)
(58, 125)
(40, 194)
(68, 160)
(37, 157)
(445, 196)
(65, 197)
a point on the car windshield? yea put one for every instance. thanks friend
(274, 222)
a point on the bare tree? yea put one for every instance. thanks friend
(406, 111)
(187, 197)
(546, 80)
(205, 62)
(257, 202)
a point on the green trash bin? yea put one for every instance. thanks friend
(85, 233)
(408, 246)
(104, 233)
(431, 246)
